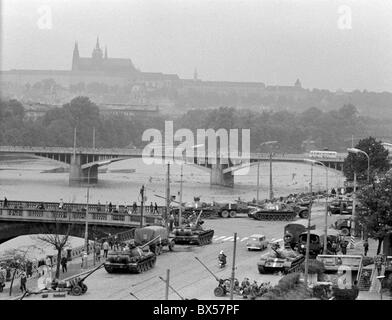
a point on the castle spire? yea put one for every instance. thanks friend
(106, 52)
(75, 56)
(97, 45)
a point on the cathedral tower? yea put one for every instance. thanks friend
(75, 57)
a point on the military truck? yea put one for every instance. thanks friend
(291, 235)
(133, 259)
(146, 234)
(343, 225)
(315, 243)
(284, 260)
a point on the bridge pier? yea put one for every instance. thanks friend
(218, 177)
(78, 176)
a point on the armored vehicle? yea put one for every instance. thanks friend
(275, 211)
(146, 234)
(133, 260)
(192, 233)
(284, 260)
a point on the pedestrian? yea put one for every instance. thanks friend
(171, 221)
(333, 192)
(23, 280)
(134, 207)
(98, 253)
(84, 259)
(5, 202)
(110, 207)
(3, 278)
(29, 268)
(105, 247)
(63, 263)
(365, 247)
(378, 261)
(343, 246)
(151, 208)
(156, 208)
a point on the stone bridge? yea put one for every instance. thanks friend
(84, 162)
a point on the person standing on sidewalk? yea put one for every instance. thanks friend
(365, 247)
(97, 253)
(23, 280)
(105, 249)
(64, 264)
(378, 261)
(343, 246)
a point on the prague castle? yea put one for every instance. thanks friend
(102, 70)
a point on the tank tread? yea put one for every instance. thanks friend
(137, 267)
(275, 216)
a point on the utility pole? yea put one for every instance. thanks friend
(271, 193)
(167, 284)
(74, 144)
(308, 234)
(167, 192)
(326, 214)
(141, 206)
(354, 203)
(94, 138)
(180, 211)
(258, 180)
(233, 269)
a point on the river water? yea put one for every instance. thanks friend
(23, 179)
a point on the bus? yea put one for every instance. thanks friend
(323, 154)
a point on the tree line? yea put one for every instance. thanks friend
(296, 132)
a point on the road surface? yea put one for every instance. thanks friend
(187, 276)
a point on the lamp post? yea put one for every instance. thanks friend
(326, 200)
(271, 193)
(308, 233)
(86, 225)
(356, 151)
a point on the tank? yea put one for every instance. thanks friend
(192, 233)
(132, 260)
(284, 260)
(277, 212)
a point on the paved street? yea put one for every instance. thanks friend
(187, 275)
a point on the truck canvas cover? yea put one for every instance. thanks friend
(143, 235)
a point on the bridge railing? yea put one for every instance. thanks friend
(26, 214)
(99, 209)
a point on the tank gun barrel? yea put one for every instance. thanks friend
(149, 242)
(216, 278)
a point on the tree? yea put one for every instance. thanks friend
(16, 260)
(57, 238)
(378, 155)
(376, 217)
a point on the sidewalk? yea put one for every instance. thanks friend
(74, 268)
(366, 295)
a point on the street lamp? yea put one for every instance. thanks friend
(271, 193)
(326, 199)
(86, 225)
(356, 151)
(308, 234)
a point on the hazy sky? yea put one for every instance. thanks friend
(271, 41)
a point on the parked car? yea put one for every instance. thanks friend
(257, 242)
